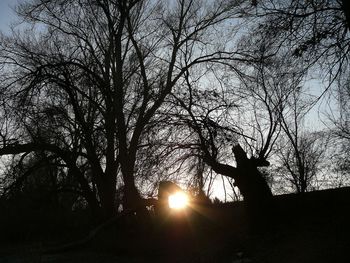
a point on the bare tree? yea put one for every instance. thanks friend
(94, 74)
(235, 124)
(301, 160)
(316, 35)
(301, 153)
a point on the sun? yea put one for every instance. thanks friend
(178, 200)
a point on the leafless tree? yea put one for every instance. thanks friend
(317, 35)
(301, 153)
(235, 119)
(94, 75)
(301, 161)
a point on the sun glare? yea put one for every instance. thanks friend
(178, 200)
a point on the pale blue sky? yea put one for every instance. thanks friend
(6, 14)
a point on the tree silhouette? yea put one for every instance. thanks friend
(235, 127)
(94, 74)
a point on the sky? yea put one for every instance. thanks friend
(7, 14)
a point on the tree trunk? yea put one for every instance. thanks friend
(132, 199)
(88, 194)
(107, 192)
(94, 207)
(251, 183)
(254, 188)
(249, 179)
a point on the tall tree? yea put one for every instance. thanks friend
(94, 74)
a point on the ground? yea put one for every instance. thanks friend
(313, 227)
